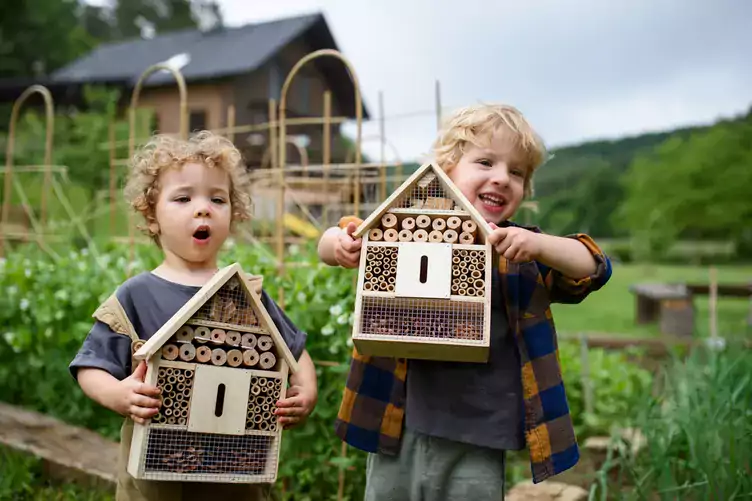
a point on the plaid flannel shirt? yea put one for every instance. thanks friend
(371, 413)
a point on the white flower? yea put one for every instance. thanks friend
(8, 336)
(27, 272)
(12, 290)
(84, 251)
(81, 266)
(328, 330)
(61, 295)
(335, 310)
(301, 297)
(24, 304)
(343, 319)
(349, 342)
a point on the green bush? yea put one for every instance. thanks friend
(46, 307)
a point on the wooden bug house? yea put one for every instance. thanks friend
(424, 281)
(222, 365)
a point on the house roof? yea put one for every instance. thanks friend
(409, 183)
(206, 292)
(219, 53)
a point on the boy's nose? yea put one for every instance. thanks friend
(202, 212)
(501, 176)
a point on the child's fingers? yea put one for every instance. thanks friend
(143, 401)
(142, 412)
(290, 411)
(350, 245)
(147, 389)
(496, 236)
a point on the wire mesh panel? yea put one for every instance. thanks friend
(265, 391)
(468, 272)
(173, 454)
(230, 305)
(176, 385)
(428, 193)
(422, 318)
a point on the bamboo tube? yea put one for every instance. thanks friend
(467, 238)
(391, 235)
(166, 388)
(368, 275)
(219, 357)
(436, 236)
(250, 357)
(476, 274)
(470, 291)
(376, 271)
(473, 254)
(187, 352)
(185, 333)
(264, 343)
(234, 358)
(479, 284)
(369, 267)
(450, 236)
(456, 272)
(264, 426)
(389, 221)
(189, 376)
(218, 336)
(167, 403)
(203, 354)
(375, 235)
(266, 415)
(171, 420)
(257, 419)
(168, 412)
(248, 341)
(454, 222)
(472, 267)
(405, 235)
(469, 226)
(391, 280)
(180, 387)
(420, 235)
(390, 288)
(271, 383)
(455, 287)
(462, 291)
(423, 221)
(367, 286)
(438, 224)
(202, 334)
(456, 259)
(267, 360)
(256, 389)
(170, 352)
(408, 223)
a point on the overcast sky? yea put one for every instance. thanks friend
(578, 69)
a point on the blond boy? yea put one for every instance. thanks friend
(438, 430)
(190, 193)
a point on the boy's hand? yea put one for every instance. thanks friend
(346, 248)
(516, 244)
(296, 406)
(135, 400)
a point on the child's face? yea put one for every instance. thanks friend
(492, 176)
(193, 212)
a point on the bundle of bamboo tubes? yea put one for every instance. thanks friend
(261, 403)
(381, 270)
(468, 276)
(176, 385)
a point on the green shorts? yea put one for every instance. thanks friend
(131, 489)
(435, 469)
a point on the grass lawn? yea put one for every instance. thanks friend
(612, 309)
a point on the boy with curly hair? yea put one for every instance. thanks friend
(190, 193)
(439, 430)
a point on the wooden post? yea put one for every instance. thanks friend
(713, 303)
(438, 105)
(382, 141)
(327, 153)
(587, 390)
(231, 123)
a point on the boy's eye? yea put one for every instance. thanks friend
(218, 200)
(485, 162)
(182, 199)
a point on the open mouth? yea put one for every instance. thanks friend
(202, 233)
(491, 200)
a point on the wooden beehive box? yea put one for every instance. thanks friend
(222, 365)
(424, 280)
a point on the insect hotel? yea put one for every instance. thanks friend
(222, 365)
(425, 273)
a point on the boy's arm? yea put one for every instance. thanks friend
(337, 247)
(302, 395)
(326, 245)
(130, 397)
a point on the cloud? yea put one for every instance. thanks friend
(579, 69)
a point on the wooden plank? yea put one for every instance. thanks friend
(438, 279)
(208, 380)
(229, 327)
(425, 349)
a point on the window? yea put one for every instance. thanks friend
(197, 120)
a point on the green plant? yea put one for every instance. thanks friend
(698, 434)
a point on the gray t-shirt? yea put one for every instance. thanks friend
(150, 301)
(475, 403)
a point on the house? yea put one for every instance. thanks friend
(222, 365)
(424, 275)
(243, 66)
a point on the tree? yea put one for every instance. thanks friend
(697, 187)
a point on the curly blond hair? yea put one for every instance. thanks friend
(471, 124)
(165, 151)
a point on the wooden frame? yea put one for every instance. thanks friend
(218, 435)
(404, 323)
